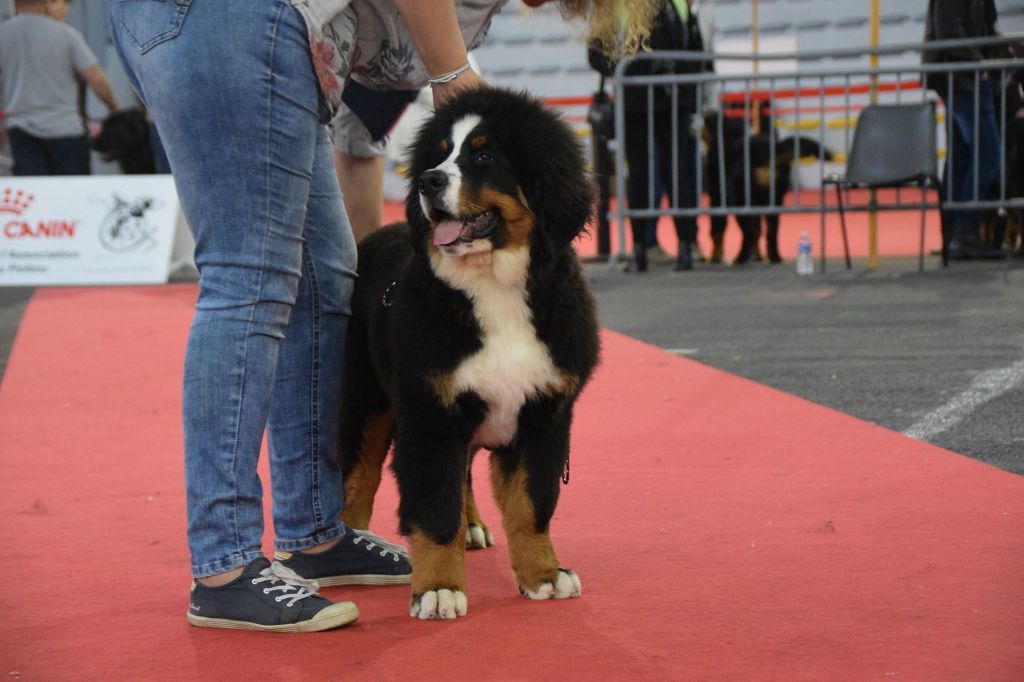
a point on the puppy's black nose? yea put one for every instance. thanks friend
(433, 182)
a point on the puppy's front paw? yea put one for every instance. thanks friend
(565, 585)
(439, 605)
(478, 536)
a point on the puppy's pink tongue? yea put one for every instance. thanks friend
(448, 232)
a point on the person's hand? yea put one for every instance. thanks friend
(466, 80)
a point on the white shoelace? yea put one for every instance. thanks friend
(290, 580)
(374, 540)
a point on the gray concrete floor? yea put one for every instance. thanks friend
(12, 306)
(939, 354)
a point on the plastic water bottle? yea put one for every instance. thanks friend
(804, 257)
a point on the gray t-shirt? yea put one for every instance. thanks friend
(39, 59)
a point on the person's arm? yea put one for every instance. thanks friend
(434, 27)
(97, 82)
(86, 65)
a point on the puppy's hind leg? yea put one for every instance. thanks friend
(478, 536)
(363, 469)
(367, 427)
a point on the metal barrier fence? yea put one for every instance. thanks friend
(819, 105)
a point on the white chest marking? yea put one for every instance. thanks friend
(513, 365)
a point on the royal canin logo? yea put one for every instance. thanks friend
(15, 201)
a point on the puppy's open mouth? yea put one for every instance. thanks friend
(450, 230)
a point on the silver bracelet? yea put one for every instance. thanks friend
(450, 76)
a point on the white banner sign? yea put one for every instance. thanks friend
(104, 229)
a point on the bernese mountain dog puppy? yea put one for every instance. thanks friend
(472, 327)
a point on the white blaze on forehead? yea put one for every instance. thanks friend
(460, 131)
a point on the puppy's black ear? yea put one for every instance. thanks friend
(557, 187)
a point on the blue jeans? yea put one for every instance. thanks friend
(48, 156)
(232, 90)
(958, 180)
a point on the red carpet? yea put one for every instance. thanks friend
(899, 232)
(722, 530)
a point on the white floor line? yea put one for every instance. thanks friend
(984, 387)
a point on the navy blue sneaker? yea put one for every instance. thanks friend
(267, 597)
(358, 558)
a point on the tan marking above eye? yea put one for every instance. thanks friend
(444, 145)
(478, 141)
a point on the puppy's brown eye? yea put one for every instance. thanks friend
(483, 159)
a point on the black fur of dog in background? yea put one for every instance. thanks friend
(734, 136)
(125, 139)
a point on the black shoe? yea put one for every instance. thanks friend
(965, 245)
(685, 259)
(959, 249)
(267, 597)
(356, 559)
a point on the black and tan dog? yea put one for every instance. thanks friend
(763, 174)
(472, 327)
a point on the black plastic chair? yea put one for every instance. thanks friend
(893, 146)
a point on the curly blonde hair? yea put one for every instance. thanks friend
(617, 27)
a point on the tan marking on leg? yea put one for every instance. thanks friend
(435, 566)
(472, 513)
(362, 482)
(533, 557)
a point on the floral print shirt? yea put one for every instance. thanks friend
(367, 40)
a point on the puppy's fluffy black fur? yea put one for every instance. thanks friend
(125, 139)
(411, 331)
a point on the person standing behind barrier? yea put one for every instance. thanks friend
(950, 19)
(40, 60)
(675, 28)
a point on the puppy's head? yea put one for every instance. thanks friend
(495, 172)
